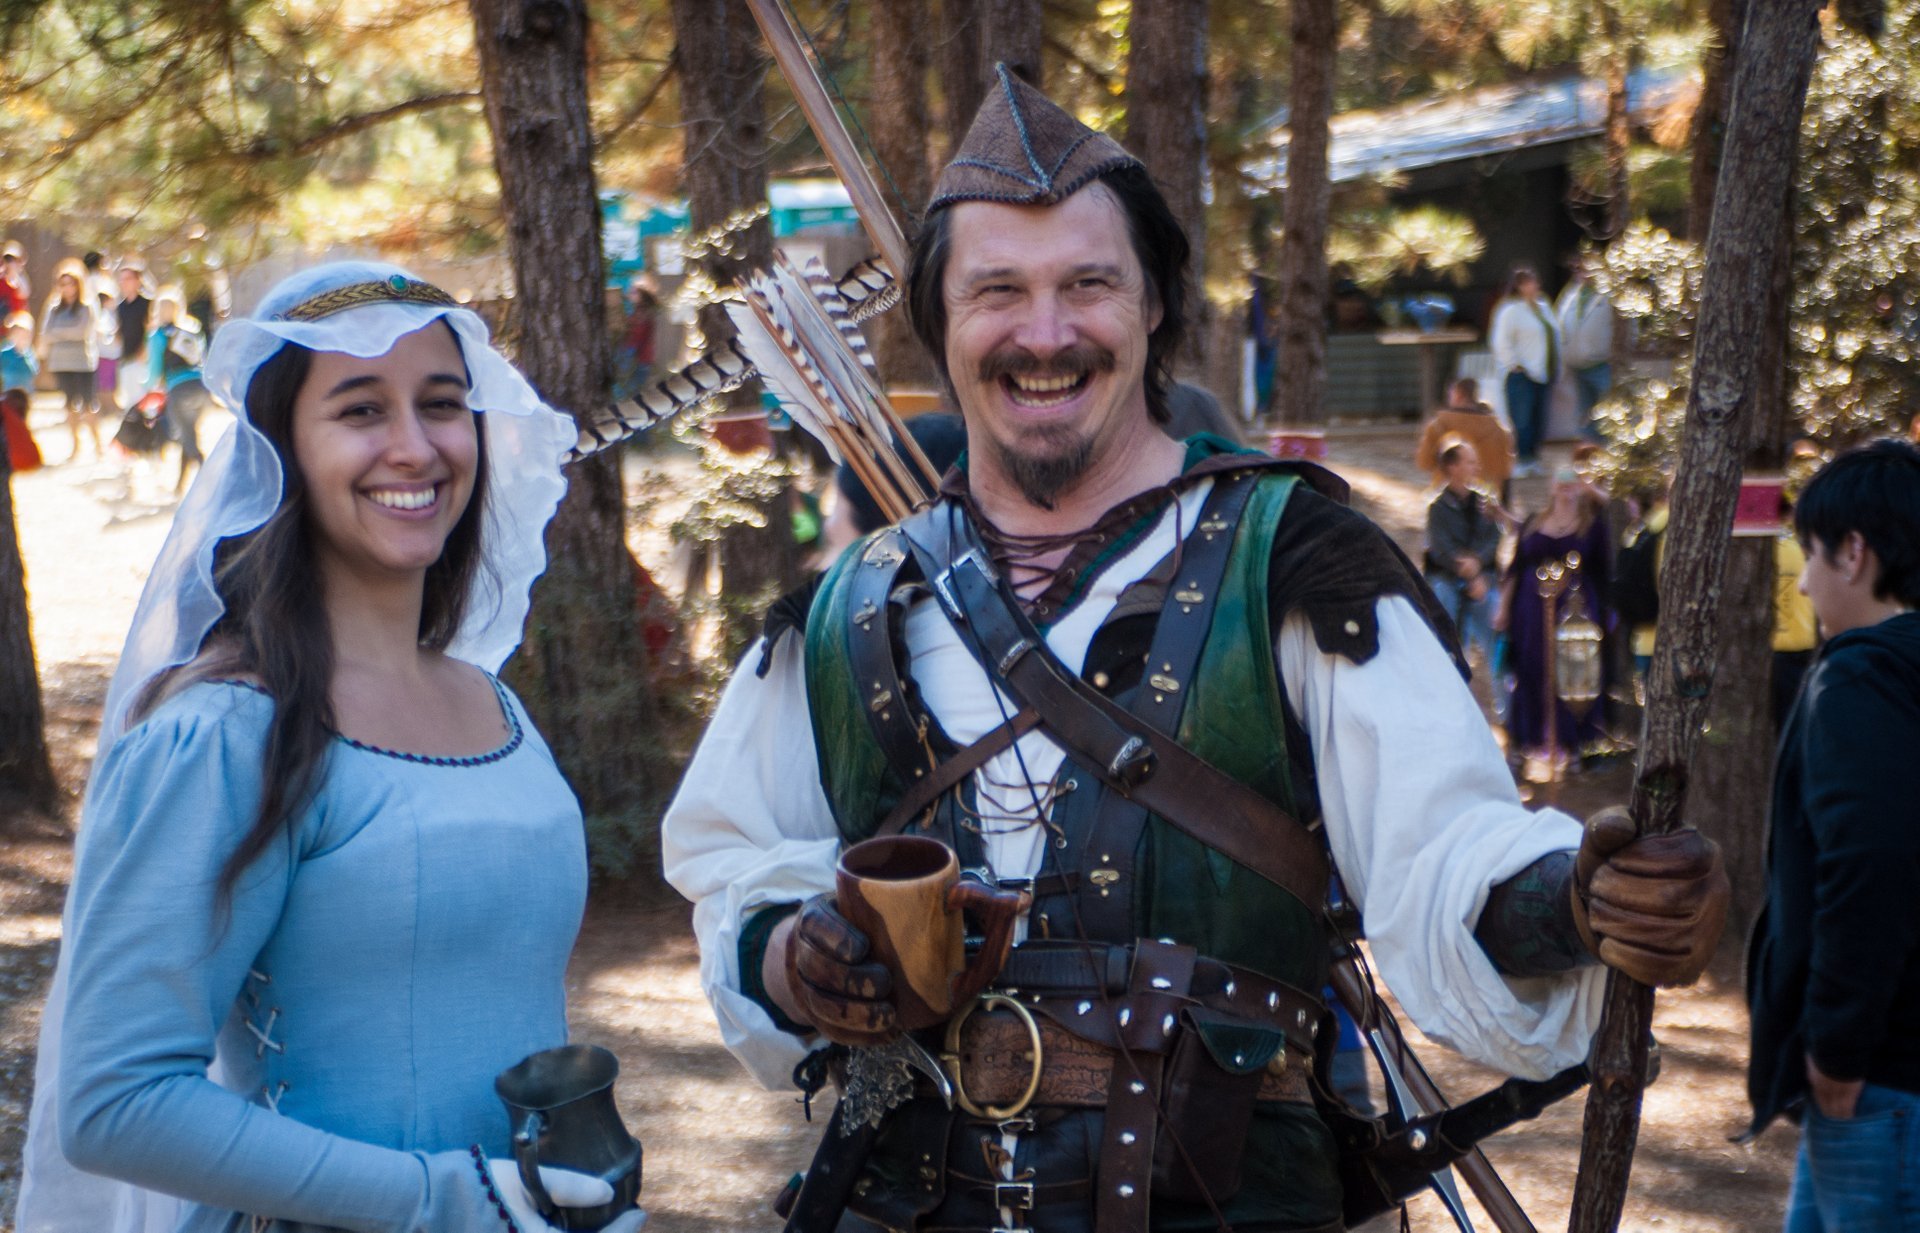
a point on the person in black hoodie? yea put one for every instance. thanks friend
(1833, 977)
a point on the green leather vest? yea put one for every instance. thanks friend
(1233, 718)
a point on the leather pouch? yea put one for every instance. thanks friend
(1206, 1109)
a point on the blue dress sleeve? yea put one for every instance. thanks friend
(157, 959)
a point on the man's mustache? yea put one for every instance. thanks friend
(1075, 361)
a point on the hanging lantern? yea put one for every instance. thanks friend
(1577, 657)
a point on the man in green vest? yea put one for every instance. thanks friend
(1154, 685)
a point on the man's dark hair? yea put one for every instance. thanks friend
(1873, 489)
(1158, 244)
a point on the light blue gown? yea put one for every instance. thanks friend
(369, 976)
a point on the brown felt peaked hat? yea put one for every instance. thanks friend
(1022, 149)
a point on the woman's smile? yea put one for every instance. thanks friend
(388, 450)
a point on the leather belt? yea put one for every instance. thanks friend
(1065, 976)
(995, 1066)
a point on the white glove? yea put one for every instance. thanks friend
(565, 1187)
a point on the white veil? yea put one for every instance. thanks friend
(235, 492)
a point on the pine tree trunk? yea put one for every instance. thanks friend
(582, 668)
(1167, 129)
(1726, 17)
(724, 126)
(1011, 32)
(963, 81)
(898, 121)
(25, 772)
(1300, 382)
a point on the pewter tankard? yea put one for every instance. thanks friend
(560, 1105)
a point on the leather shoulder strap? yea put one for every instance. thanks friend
(1109, 884)
(900, 733)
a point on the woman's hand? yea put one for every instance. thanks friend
(564, 1186)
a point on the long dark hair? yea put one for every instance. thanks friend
(1158, 244)
(275, 628)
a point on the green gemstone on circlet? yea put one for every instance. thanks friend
(397, 282)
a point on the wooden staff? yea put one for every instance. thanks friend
(1769, 93)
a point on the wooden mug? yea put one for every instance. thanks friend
(906, 894)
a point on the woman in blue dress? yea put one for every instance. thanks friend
(329, 876)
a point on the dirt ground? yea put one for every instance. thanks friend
(717, 1146)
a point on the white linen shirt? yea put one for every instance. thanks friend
(1421, 813)
(1519, 339)
(1586, 328)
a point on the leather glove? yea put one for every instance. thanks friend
(843, 996)
(565, 1187)
(1651, 906)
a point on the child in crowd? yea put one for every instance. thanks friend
(18, 364)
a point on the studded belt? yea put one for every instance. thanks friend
(1088, 987)
(1003, 1060)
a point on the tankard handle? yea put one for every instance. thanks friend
(527, 1137)
(998, 909)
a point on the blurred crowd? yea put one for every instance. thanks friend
(117, 349)
(1558, 603)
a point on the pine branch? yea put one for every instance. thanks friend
(639, 107)
(347, 126)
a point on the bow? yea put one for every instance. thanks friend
(1769, 93)
(804, 78)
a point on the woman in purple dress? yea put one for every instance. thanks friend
(1572, 530)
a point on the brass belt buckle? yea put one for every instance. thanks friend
(950, 1059)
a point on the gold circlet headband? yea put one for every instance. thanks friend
(394, 290)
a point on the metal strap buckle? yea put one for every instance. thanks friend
(950, 1059)
(1014, 1196)
(945, 586)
